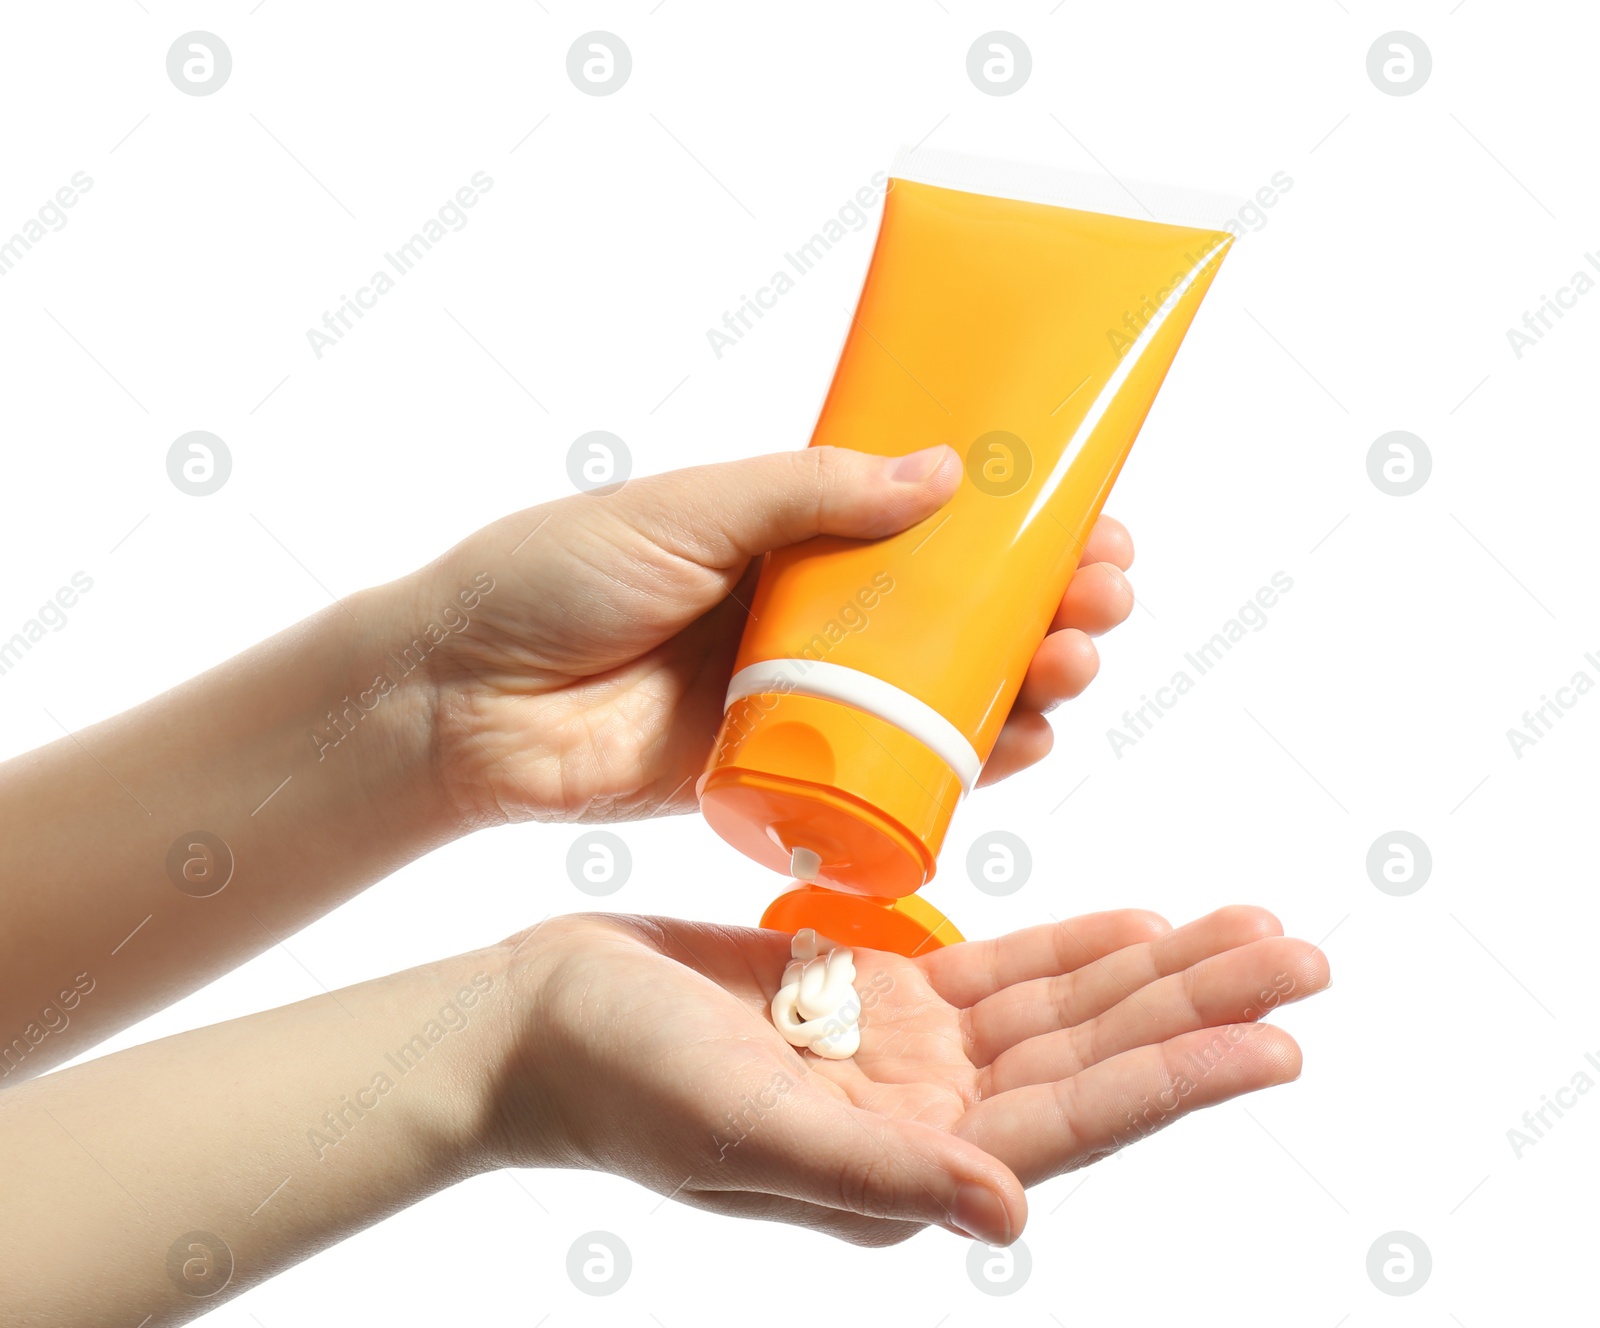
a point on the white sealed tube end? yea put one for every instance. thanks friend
(1083, 190)
(804, 864)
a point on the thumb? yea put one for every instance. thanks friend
(827, 1152)
(721, 516)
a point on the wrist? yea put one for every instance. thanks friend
(450, 1036)
(524, 1116)
(412, 630)
(383, 713)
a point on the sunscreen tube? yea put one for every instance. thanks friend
(874, 676)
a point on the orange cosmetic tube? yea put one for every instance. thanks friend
(874, 676)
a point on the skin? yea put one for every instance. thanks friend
(983, 1067)
(575, 672)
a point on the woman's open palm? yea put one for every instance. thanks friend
(984, 1067)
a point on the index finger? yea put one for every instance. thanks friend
(964, 974)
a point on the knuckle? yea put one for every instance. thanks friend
(821, 464)
(818, 471)
(1061, 995)
(1190, 982)
(866, 1186)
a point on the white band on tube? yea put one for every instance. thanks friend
(834, 682)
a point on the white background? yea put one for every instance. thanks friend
(1376, 297)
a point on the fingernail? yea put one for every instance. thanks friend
(915, 467)
(979, 1212)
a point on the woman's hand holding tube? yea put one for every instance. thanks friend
(590, 682)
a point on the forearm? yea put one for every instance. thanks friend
(271, 1137)
(308, 759)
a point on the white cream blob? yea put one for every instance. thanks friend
(816, 1005)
